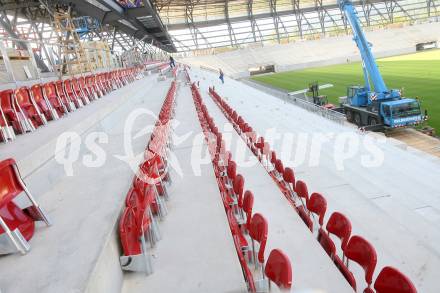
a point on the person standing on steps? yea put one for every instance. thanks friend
(222, 76)
(172, 62)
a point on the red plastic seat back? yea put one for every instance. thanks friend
(273, 157)
(129, 232)
(362, 252)
(317, 205)
(238, 188)
(38, 97)
(135, 199)
(289, 176)
(10, 185)
(279, 166)
(339, 225)
(59, 86)
(232, 169)
(278, 269)
(75, 84)
(6, 100)
(23, 98)
(301, 190)
(391, 280)
(258, 231)
(68, 86)
(49, 90)
(37, 93)
(248, 204)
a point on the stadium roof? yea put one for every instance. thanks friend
(188, 25)
(206, 24)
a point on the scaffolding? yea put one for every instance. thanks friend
(74, 59)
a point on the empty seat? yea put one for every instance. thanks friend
(132, 230)
(279, 270)
(279, 169)
(231, 172)
(43, 103)
(301, 200)
(317, 205)
(16, 224)
(238, 187)
(391, 280)
(50, 92)
(6, 129)
(248, 204)
(27, 108)
(289, 179)
(258, 232)
(363, 253)
(65, 99)
(339, 225)
(68, 88)
(79, 93)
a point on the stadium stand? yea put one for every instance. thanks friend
(84, 236)
(312, 53)
(358, 249)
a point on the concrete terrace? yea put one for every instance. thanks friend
(395, 205)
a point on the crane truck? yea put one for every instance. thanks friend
(374, 105)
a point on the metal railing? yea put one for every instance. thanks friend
(321, 111)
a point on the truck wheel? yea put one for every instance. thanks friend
(349, 115)
(357, 119)
(372, 121)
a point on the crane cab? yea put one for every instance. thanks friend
(401, 113)
(357, 96)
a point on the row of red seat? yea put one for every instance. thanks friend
(145, 200)
(17, 223)
(25, 109)
(164, 68)
(354, 248)
(238, 207)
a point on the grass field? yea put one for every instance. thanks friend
(417, 74)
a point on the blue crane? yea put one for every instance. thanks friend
(374, 104)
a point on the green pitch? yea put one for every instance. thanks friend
(418, 75)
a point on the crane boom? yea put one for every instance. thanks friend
(379, 106)
(371, 69)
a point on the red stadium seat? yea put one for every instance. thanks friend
(317, 205)
(279, 270)
(132, 231)
(258, 232)
(27, 107)
(238, 189)
(69, 91)
(339, 225)
(50, 92)
(362, 252)
(231, 171)
(302, 192)
(391, 280)
(16, 224)
(79, 93)
(279, 169)
(61, 92)
(289, 179)
(248, 204)
(43, 103)
(6, 129)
